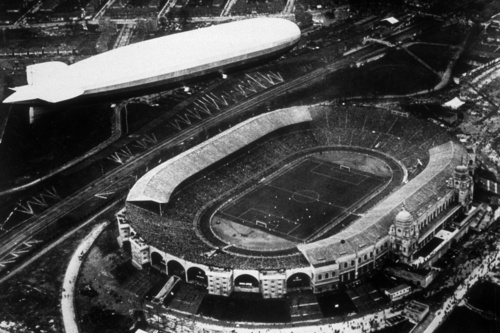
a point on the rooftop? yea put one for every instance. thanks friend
(158, 184)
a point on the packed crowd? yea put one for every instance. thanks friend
(408, 139)
(176, 231)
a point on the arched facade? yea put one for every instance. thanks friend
(158, 262)
(197, 276)
(297, 281)
(246, 283)
(175, 268)
(343, 259)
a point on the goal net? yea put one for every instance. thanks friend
(260, 223)
(343, 167)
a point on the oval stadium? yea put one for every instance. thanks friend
(314, 197)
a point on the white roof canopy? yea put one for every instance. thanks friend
(159, 183)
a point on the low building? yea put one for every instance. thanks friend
(418, 277)
(398, 292)
(416, 311)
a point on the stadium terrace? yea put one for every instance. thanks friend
(376, 187)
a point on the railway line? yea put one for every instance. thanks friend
(125, 175)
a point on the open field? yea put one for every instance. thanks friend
(303, 199)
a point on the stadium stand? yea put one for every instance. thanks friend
(158, 184)
(171, 206)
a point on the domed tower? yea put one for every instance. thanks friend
(403, 236)
(464, 186)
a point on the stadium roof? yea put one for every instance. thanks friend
(158, 184)
(421, 192)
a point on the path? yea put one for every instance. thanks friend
(67, 301)
(363, 324)
(457, 297)
(227, 8)
(289, 7)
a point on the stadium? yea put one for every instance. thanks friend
(314, 197)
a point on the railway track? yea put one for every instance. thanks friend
(125, 175)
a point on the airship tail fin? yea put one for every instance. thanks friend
(46, 72)
(47, 93)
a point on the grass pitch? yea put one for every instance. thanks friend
(304, 199)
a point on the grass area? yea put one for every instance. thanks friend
(437, 57)
(56, 138)
(389, 76)
(452, 34)
(463, 320)
(31, 299)
(303, 199)
(397, 73)
(480, 296)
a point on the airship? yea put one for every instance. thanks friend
(164, 62)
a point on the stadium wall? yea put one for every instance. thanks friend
(219, 281)
(347, 267)
(430, 199)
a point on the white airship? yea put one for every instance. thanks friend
(167, 61)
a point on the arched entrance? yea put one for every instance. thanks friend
(298, 281)
(175, 268)
(158, 262)
(246, 283)
(197, 276)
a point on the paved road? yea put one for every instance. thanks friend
(349, 325)
(126, 173)
(68, 291)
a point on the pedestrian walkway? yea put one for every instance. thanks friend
(479, 272)
(363, 324)
(68, 291)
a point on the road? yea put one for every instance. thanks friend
(126, 173)
(68, 291)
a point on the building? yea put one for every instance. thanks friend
(416, 311)
(398, 292)
(412, 225)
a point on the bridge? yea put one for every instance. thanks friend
(379, 41)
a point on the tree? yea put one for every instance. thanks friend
(303, 18)
(184, 16)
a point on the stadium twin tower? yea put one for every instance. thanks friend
(182, 232)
